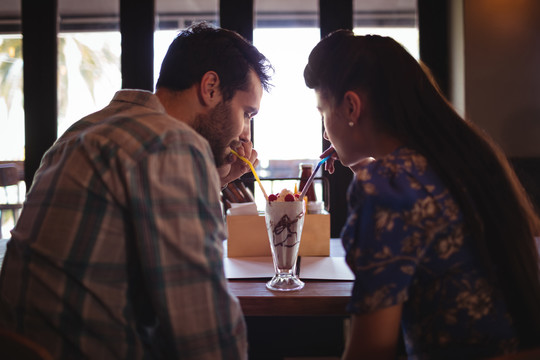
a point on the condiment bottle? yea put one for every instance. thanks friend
(305, 172)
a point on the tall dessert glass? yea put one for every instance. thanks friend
(284, 222)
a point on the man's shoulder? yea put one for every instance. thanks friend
(135, 127)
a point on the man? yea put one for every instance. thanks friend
(118, 250)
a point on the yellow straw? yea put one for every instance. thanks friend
(252, 170)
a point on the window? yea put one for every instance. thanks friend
(88, 73)
(394, 18)
(89, 69)
(11, 98)
(89, 49)
(288, 128)
(11, 120)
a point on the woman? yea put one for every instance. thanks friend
(440, 234)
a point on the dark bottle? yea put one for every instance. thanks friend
(305, 172)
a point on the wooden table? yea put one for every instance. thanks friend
(314, 318)
(317, 298)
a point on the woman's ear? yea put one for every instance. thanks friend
(352, 105)
(209, 90)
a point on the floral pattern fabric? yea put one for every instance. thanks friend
(407, 243)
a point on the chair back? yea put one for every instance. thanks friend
(10, 200)
(9, 174)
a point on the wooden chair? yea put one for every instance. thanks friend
(236, 192)
(9, 176)
(14, 346)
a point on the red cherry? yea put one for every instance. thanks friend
(296, 196)
(272, 197)
(289, 197)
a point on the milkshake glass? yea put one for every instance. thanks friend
(284, 223)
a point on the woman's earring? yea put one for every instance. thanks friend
(351, 124)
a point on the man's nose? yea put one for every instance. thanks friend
(245, 136)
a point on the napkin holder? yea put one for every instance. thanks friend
(247, 236)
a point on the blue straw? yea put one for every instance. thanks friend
(310, 180)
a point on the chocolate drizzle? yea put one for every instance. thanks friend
(285, 224)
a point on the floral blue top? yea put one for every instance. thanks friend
(406, 243)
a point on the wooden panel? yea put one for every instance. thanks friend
(336, 15)
(99, 7)
(237, 15)
(40, 54)
(137, 22)
(433, 23)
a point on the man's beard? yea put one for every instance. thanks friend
(215, 128)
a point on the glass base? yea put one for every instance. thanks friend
(285, 282)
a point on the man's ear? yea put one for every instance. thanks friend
(352, 105)
(209, 90)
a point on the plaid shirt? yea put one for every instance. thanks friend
(118, 250)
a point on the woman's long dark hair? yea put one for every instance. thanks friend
(406, 103)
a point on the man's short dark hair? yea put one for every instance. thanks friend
(202, 48)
